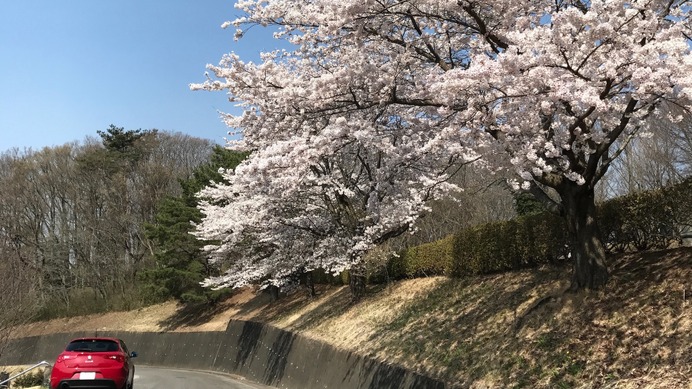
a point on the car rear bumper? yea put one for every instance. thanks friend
(87, 384)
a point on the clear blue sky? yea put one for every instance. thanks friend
(70, 68)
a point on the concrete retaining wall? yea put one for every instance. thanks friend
(259, 352)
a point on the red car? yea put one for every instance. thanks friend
(94, 363)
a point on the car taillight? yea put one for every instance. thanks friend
(62, 358)
(118, 358)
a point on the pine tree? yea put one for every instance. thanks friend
(180, 263)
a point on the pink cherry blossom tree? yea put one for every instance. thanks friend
(379, 102)
(324, 199)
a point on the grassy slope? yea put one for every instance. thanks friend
(506, 330)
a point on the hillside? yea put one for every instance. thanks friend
(507, 330)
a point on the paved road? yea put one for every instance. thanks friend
(160, 378)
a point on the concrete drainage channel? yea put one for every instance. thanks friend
(256, 351)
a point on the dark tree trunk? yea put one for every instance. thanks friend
(273, 291)
(310, 284)
(588, 252)
(356, 281)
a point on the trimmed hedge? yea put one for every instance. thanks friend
(639, 221)
(522, 242)
(647, 220)
(510, 245)
(428, 259)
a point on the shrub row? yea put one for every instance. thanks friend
(518, 243)
(522, 242)
(647, 220)
(428, 259)
(641, 221)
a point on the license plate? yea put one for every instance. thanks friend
(87, 375)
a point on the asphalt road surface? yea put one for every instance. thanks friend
(161, 378)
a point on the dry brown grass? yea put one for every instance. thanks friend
(509, 330)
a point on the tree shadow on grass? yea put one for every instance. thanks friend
(465, 330)
(191, 315)
(329, 307)
(331, 302)
(651, 266)
(649, 299)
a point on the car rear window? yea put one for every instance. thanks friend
(92, 345)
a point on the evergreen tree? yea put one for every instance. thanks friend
(180, 264)
(526, 203)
